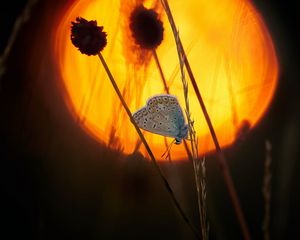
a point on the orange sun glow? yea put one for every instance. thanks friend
(229, 48)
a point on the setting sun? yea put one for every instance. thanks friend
(228, 46)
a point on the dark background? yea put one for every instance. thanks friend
(57, 183)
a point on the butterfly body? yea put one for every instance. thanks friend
(163, 115)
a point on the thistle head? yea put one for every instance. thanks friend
(89, 38)
(146, 27)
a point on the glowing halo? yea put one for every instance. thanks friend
(229, 49)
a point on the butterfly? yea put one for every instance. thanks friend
(163, 115)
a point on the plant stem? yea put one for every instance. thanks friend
(165, 86)
(200, 181)
(221, 158)
(85, 103)
(267, 191)
(163, 178)
(18, 24)
(193, 156)
(160, 71)
(167, 90)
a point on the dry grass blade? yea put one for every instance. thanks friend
(163, 178)
(198, 173)
(221, 158)
(167, 90)
(200, 181)
(20, 21)
(267, 182)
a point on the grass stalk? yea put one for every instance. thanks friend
(199, 175)
(162, 75)
(19, 22)
(85, 103)
(163, 178)
(167, 90)
(221, 158)
(267, 190)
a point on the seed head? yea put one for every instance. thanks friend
(146, 27)
(89, 38)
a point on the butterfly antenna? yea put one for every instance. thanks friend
(167, 152)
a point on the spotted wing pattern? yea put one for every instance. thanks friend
(161, 115)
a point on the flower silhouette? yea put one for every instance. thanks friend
(147, 29)
(89, 38)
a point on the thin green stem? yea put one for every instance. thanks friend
(163, 178)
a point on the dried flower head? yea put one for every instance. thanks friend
(89, 38)
(147, 29)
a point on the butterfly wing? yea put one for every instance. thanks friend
(155, 123)
(168, 105)
(162, 115)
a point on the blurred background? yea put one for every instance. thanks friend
(58, 183)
